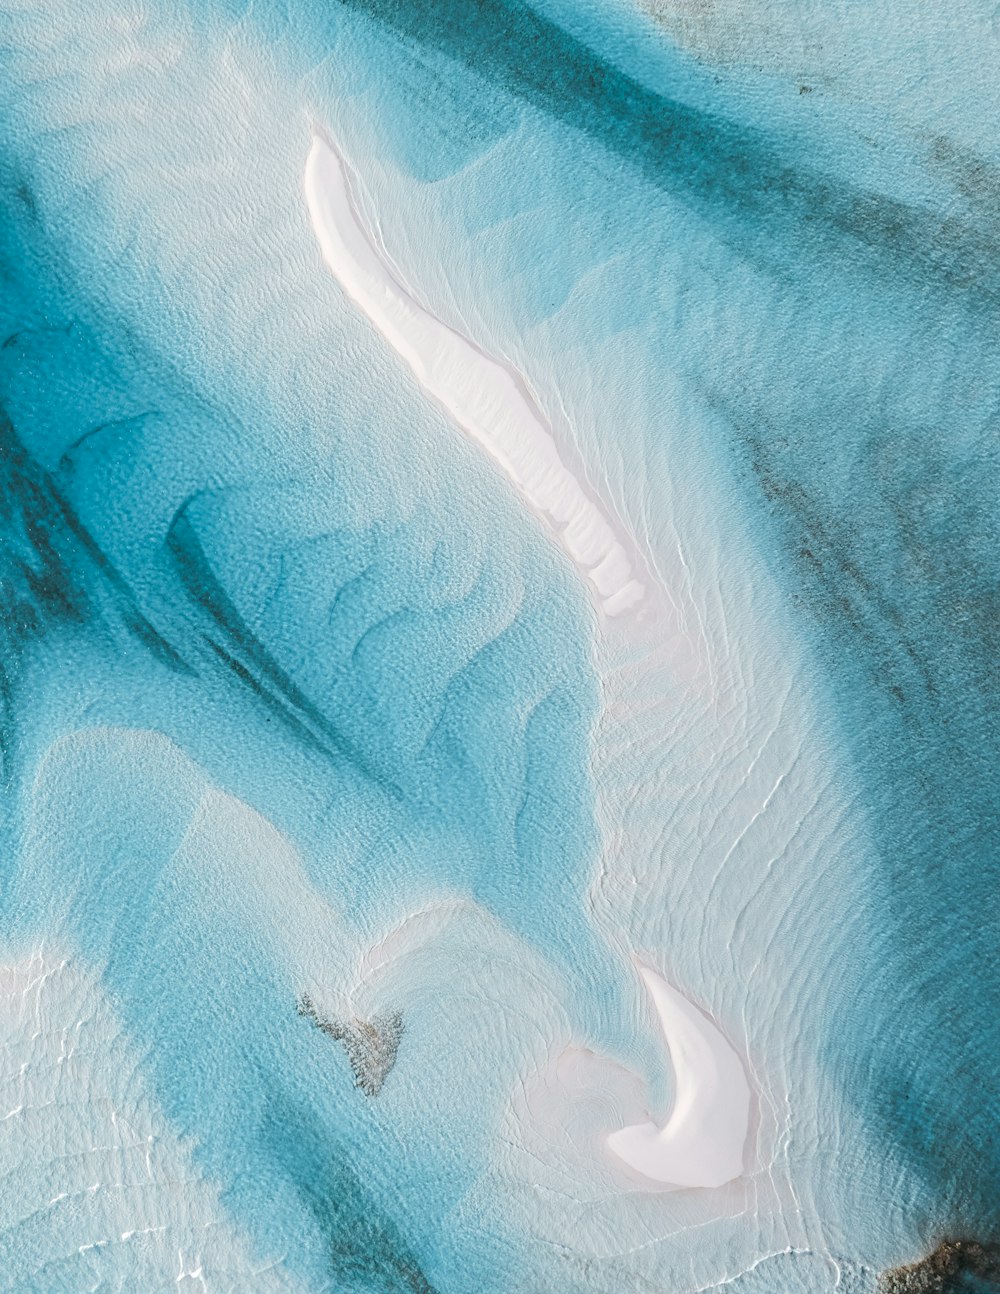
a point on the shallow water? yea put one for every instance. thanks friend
(301, 699)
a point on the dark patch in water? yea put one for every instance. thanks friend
(26, 198)
(53, 571)
(366, 1250)
(976, 178)
(371, 1045)
(955, 1266)
(40, 581)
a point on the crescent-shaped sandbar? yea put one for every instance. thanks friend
(702, 1142)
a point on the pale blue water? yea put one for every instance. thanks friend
(285, 660)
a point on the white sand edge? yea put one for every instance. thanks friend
(702, 1142)
(488, 401)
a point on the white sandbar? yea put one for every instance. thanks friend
(702, 1142)
(487, 400)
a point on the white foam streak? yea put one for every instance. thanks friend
(487, 400)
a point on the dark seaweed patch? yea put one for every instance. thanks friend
(371, 1045)
(954, 1266)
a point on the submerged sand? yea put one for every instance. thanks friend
(702, 1142)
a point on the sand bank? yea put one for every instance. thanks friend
(702, 1142)
(489, 401)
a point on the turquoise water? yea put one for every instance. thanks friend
(286, 661)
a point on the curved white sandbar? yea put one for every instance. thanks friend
(702, 1142)
(488, 401)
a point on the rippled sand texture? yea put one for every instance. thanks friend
(498, 602)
